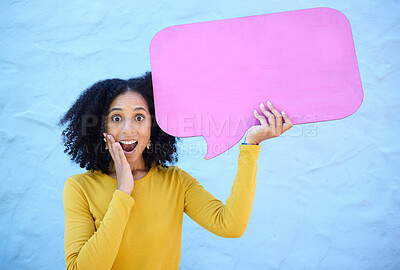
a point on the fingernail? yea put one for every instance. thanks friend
(283, 113)
(269, 103)
(105, 140)
(255, 111)
(262, 105)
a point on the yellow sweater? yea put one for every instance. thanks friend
(106, 228)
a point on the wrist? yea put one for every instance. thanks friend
(127, 191)
(250, 142)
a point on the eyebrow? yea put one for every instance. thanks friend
(119, 109)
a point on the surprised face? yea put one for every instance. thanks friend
(129, 122)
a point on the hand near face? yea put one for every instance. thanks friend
(122, 167)
(267, 130)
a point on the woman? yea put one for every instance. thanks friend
(126, 211)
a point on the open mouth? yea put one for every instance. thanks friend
(128, 146)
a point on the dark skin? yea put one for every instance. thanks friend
(128, 120)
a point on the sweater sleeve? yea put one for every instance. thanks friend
(86, 248)
(229, 220)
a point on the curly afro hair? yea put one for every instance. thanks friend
(83, 136)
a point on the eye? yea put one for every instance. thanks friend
(116, 118)
(140, 117)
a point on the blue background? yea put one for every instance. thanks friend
(327, 193)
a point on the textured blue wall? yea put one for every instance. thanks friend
(327, 194)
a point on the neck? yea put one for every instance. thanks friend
(138, 166)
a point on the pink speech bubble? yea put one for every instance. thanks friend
(208, 77)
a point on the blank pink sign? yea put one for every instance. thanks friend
(208, 77)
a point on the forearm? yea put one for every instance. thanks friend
(237, 210)
(229, 220)
(100, 250)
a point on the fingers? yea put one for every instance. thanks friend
(112, 148)
(117, 153)
(108, 143)
(275, 119)
(115, 149)
(278, 118)
(260, 118)
(288, 123)
(121, 154)
(271, 118)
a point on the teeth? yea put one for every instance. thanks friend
(127, 142)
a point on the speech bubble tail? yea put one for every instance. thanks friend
(218, 145)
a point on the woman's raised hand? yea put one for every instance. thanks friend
(267, 130)
(122, 167)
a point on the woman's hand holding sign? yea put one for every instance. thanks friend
(267, 130)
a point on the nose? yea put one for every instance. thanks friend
(129, 126)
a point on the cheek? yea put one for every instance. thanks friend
(148, 130)
(112, 128)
